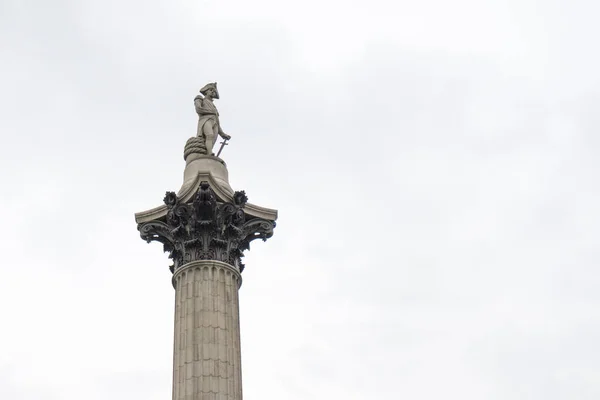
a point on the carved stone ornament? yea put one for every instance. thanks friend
(206, 229)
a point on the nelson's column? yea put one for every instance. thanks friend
(205, 227)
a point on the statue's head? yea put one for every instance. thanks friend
(210, 89)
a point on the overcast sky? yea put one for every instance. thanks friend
(434, 163)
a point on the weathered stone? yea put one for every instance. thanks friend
(206, 229)
(194, 145)
(214, 166)
(202, 367)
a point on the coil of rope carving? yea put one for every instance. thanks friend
(194, 145)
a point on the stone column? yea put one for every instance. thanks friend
(206, 228)
(207, 357)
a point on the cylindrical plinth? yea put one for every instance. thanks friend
(199, 163)
(207, 357)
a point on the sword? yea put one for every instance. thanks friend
(223, 144)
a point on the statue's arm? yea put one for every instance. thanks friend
(198, 102)
(223, 134)
(203, 109)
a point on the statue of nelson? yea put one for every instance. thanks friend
(208, 122)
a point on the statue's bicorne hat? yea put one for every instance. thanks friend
(212, 85)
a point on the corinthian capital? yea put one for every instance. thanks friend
(205, 228)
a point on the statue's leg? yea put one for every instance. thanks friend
(209, 136)
(199, 129)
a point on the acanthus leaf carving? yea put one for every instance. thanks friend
(206, 229)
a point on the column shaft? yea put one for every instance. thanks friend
(206, 354)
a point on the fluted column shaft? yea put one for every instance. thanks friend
(206, 354)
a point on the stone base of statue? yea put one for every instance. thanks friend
(200, 166)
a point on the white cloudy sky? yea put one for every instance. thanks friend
(434, 163)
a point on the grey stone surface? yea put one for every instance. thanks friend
(223, 192)
(194, 145)
(209, 126)
(197, 163)
(207, 357)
